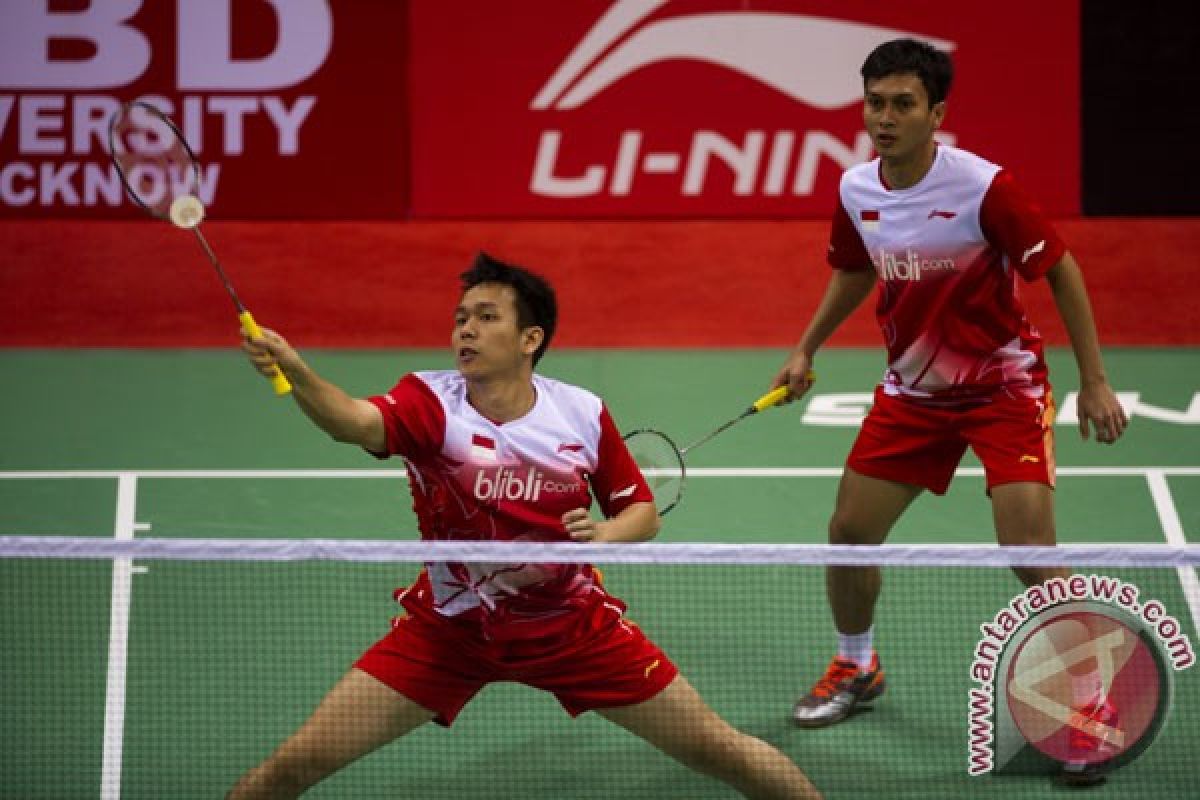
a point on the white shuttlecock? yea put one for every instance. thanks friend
(187, 211)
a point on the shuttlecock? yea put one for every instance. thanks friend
(187, 211)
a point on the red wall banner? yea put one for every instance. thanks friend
(296, 108)
(714, 107)
(524, 108)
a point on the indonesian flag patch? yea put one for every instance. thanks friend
(870, 220)
(483, 449)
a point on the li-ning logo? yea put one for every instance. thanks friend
(809, 59)
(1033, 251)
(910, 266)
(507, 484)
(788, 52)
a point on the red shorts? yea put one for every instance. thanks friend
(902, 441)
(606, 661)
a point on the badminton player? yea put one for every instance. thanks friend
(497, 452)
(945, 234)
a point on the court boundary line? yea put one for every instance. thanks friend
(1172, 527)
(124, 526)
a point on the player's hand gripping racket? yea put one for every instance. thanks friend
(161, 174)
(662, 461)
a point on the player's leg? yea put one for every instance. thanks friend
(678, 722)
(609, 665)
(864, 514)
(865, 511)
(360, 714)
(901, 450)
(1014, 439)
(417, 672)
(1023, 513)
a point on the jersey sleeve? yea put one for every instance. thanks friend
(1013, 224)
(413, 418)
(617, 482)
(846, 248)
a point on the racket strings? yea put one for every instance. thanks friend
(153, 160)
(661, 463)
(661, 460)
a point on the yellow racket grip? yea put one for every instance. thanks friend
(251, 329)
(777, 395)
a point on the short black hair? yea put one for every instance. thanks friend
(536, 304)
(910, 56)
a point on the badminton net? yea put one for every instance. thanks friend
(154, 668)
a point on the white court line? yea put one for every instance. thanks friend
(118, 642)
(1172, 527)
(696, 472)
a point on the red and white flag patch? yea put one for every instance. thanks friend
(483, 449)
(870, 220)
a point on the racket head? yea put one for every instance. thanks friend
(661, 463)
(154, 161)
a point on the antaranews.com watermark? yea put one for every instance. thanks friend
(1025, 662)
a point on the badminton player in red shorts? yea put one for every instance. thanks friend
(944, 234)
(496, 452)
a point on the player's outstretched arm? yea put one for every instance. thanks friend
(637, 522)
(1098, 405)
(345, 418)
(845, 292)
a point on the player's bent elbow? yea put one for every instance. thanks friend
(652, 524)
(638, 522)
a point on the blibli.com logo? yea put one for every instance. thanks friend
(508, 483)
(910, 266)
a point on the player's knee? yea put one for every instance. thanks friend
(844, 529)
(1028, 534)
(702, 752)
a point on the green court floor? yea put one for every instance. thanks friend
(222, 660)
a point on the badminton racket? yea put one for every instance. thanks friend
(662, 460)
(161, 174)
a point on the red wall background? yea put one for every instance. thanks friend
(412, 114)
(385, 109)
(621, 284)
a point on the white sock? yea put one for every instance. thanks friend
(857, 647)
(1085, 688)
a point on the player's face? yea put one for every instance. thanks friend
(487, 339)
(899, 119)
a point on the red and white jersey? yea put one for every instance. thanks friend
(947, 252)
(476, 479)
